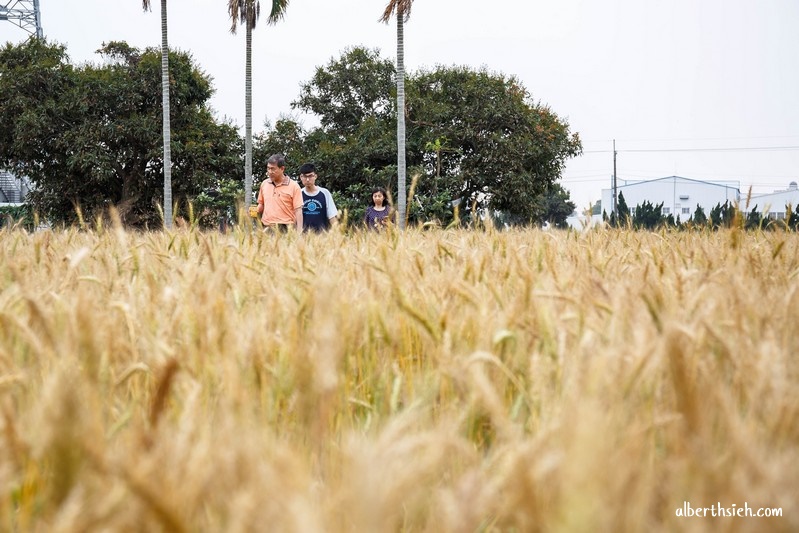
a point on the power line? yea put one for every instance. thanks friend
(649, 174)
(729, 149)
(689, 139)
(584, 180)
(739, 149)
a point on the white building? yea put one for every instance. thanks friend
(775, 204)
(12, 190)
(679, 195)
(583, 222)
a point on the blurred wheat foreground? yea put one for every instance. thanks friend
(423, 381)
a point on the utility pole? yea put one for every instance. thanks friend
(615, 189)
(23, 13)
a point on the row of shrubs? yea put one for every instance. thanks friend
(16, 215)
(727, 215)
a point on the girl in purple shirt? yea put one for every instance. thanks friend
(378, 214)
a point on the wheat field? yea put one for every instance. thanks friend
(441, 381)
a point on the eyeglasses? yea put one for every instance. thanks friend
(307, 176)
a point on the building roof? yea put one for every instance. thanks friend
(729, 184)
(792, 189)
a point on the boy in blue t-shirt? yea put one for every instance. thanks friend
(319, 212)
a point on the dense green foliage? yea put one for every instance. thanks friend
(16, 216)
(89, 136)
(473, 138)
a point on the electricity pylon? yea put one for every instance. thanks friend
(23, 13)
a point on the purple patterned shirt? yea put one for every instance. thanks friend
(375, 219)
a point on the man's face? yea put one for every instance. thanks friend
(309, 179)
(275, 172)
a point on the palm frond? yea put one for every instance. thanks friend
(244, 12)
(249, 11)
(400, 7)
(233, 11)
(145, 5)
(278, 11)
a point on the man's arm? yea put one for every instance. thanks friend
(297, 202)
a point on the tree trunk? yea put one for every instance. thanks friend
(129, 176)
(167, 129)
(401, 200)
(248, 122)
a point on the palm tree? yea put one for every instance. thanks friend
(247, 12)
(402, 8)
(165, 111)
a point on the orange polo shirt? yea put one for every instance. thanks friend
(279, 202)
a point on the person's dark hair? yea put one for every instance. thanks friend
(378, 189)
(307, 168)
(278, 160)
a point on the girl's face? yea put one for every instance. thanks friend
(378, 198)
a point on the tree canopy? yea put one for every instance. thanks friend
(473, 137)
(90, 135)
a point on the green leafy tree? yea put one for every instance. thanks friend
(699, 219)
(89, 136)
(648, 216)
(623, 218)
(348, 91)
(473, 137)
(286, 137)
(354, 146)
(216, 205)
(554, 207)
(792, 220)
(503, 149)
(715, 216)
(723, 216)
(729, 214)
(30, 75)
(17, 216)
(754, 219)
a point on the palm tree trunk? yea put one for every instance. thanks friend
(165, 111)
(400, 122)
(248, 121)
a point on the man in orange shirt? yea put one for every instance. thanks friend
(279, 198)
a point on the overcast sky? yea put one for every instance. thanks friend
(705, 89)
